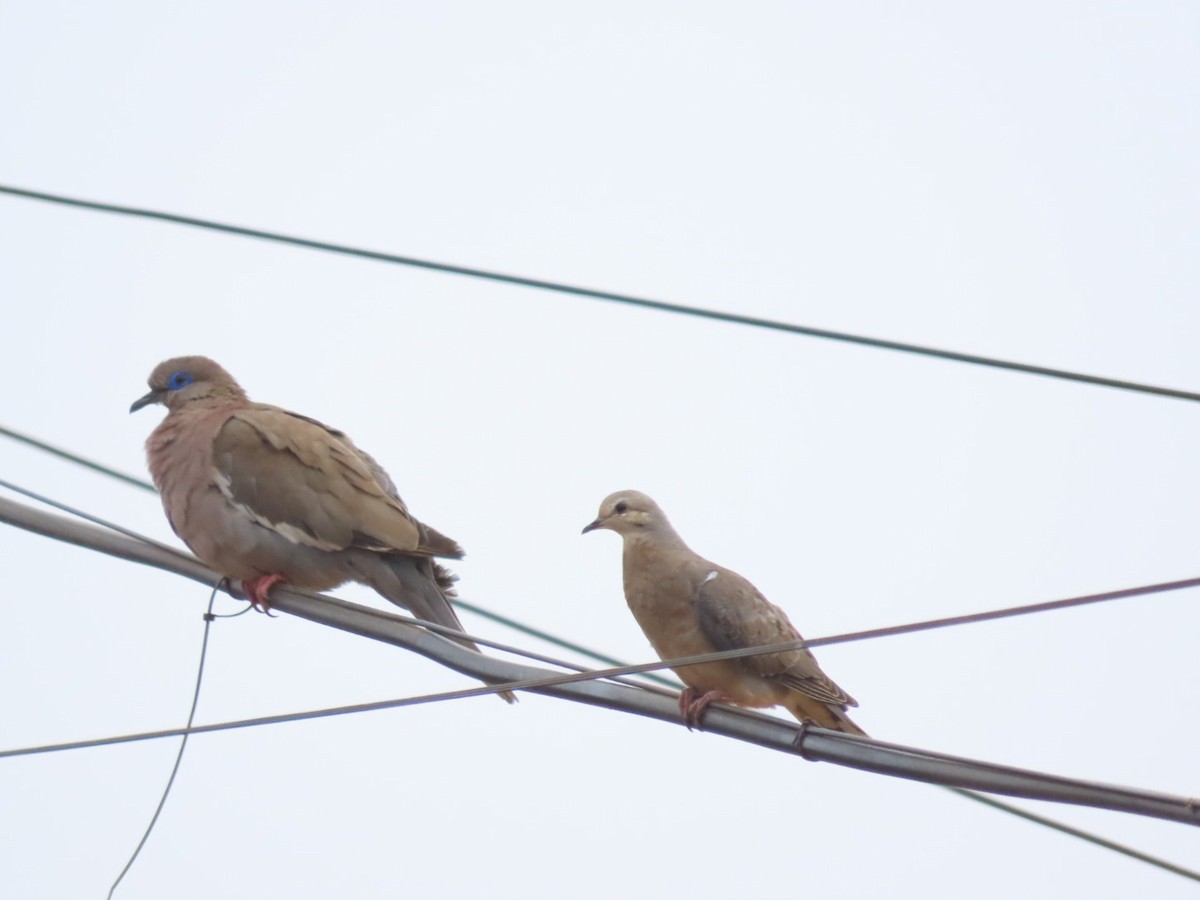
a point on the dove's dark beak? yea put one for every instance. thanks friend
(152, 397)
(592, 526)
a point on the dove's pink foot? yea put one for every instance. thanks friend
(694, 703)
(258, 588)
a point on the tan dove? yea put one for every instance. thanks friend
(264, 495)
(687, 605)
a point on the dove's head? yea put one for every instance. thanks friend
(629, 513)
(187, 379)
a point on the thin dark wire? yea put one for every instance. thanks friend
(573, 677)
(593, 294)
(1075, 832)
(329, 712)
(892, 630)
(990, 615)
(208, 620)
(561, 642)
(76, 458)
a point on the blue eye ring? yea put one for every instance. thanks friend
(179, 380)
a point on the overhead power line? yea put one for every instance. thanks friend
(812, 743)
(595, 294)
(191, 563)
(23, 517)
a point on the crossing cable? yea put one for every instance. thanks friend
(42, 527)
(24, 517)
(766, 731)
(594, 294)
(427, 698)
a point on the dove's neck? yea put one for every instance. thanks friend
(182, 442)
(647, 545)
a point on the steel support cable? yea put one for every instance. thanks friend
(814, 744)
(594, 294)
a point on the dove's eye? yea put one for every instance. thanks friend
(178, 381)
(621, 507)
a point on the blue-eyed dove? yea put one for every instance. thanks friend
(687, 605)
(264, 495)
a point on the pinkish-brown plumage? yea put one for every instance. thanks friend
(261, 495)
(688, 606)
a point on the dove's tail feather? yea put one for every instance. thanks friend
(846, 724)
(806, 709)
(423, 587)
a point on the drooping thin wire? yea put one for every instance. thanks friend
(593, 294)
(208, 620)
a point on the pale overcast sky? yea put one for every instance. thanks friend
(1017, 180)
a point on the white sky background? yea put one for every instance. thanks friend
(1013, 180)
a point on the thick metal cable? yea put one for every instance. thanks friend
(1011, 781)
